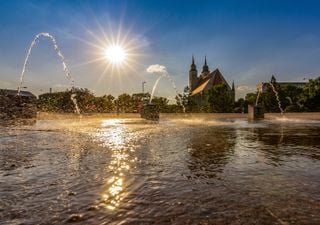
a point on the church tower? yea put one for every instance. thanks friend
(193, 76)
(205, 68)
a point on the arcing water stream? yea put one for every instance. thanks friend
(165, 74)
(65, 67)
(274, 91)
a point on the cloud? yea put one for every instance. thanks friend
(157, 68)
(244, 88)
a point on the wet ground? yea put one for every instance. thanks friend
(178, 171)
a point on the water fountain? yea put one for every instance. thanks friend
(256, 111)
(56, 48)
(22, 104)
(150, 110)
(65, 67)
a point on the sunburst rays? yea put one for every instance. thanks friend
(132, 44)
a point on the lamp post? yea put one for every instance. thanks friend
(143, 82)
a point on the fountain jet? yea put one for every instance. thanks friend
(162, 71)
(260, 89)
(65, 67)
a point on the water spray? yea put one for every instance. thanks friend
(260, 89)
(65, 67)
(159, 69)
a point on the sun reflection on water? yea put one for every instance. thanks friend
(110, 122)
(113, 136)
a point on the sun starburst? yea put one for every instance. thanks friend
(116, 54)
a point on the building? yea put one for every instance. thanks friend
(11, 93)
(282, 83)
(199, 85)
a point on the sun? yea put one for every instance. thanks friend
(115, 54)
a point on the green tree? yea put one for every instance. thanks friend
(251, 98)
(55, 102)
(125, 103)
(240, 106)
(220, 99)
(61, 102)
(85, 100)
(139, 99)
(311, 92)
(292, 96)
(104, 104)
(187, 101)
(162, 103)
(269, 100)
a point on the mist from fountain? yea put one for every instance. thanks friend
(65, 67)
(260, 89)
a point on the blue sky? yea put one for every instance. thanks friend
(247, 40)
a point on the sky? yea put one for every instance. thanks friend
(247, 40)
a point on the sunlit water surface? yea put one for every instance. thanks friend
(177, 171)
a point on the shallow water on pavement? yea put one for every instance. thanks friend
(177, 171)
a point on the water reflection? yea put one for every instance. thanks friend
(210, 150)
(115, 138)
(278, 140)
(259, 173)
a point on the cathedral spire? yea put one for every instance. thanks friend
(205, 68)
(193, 76)
(193, 66)
(233, 86)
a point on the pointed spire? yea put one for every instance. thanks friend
(233, 85)
(193, 66)
(205, 68)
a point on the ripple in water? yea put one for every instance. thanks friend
(177, 171)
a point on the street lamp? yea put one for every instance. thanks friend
(143, 82)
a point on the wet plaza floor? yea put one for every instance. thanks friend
(177, 171)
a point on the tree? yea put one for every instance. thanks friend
(86, 101)
(104, 104)
(162, 103)
(187, 101)
(125, 103)
(139, 99)
(240, 106)
(220, 99)
(251, 98)
(311, 92)
(56, 102)
(292, 95)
